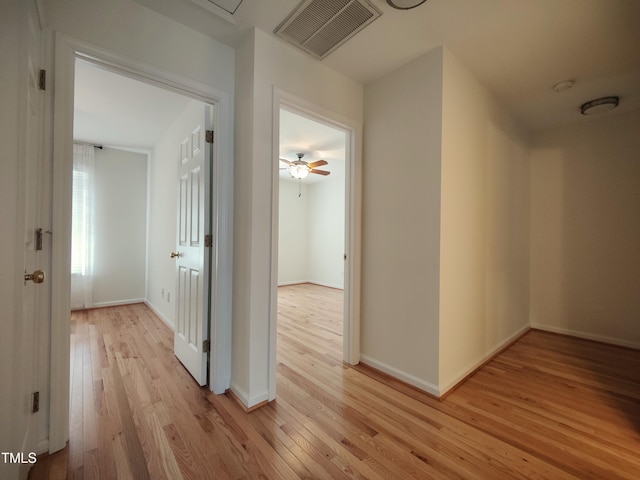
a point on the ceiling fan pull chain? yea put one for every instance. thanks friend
(299, 187)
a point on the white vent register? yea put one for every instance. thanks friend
(320, 26)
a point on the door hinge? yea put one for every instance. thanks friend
(208, 241)
(35, 406)
(42, 79)
(206, 346)
(209, 136)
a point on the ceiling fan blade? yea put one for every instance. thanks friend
(318, 163)
(320, 172)
(284, 160)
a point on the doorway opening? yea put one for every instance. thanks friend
(311, 237)
(215, 110)
(324, 255)
(129, 139)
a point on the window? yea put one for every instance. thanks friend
(82, 227)
(80, 223)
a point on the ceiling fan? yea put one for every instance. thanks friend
(300, 169)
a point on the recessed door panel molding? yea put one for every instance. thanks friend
(196, 141)
(195, 206)
(182, 305)
(183, 209)
(194, 307)
(184, 151)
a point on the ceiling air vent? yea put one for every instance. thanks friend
(320, 26)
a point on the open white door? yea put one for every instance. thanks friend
(33, 291)
(30, 209)
(193, 241)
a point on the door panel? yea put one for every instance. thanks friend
(192, 263)
(30, 208)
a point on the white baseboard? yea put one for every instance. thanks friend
(248, 401)
(292, 282)
(460, 376)
(117, 303)
(401, 375)
(587, 336)
(325, 284)
(301, 282)
(160, 315)
(430, 388)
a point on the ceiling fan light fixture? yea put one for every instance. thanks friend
(599, 105)
(299, 170)
(405, 4)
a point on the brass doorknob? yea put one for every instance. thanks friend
(36, 277)
(175, 254)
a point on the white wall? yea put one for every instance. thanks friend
(446, 224)
(293, 234)
(163, 184)
(130, 29)
(311, 231)
(585, 229)
(262, 64)
(120, 235)
(326, 229)
(401, 221)
(484, 237)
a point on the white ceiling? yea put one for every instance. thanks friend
(229, 6)
(518, 48)
(117, 111)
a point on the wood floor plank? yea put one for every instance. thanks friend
(548, 407)
(130, 433)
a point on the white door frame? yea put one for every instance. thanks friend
(353, 223)
(66, 51)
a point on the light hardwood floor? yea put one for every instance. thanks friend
(549, 407)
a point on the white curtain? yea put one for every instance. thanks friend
(82, 227)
